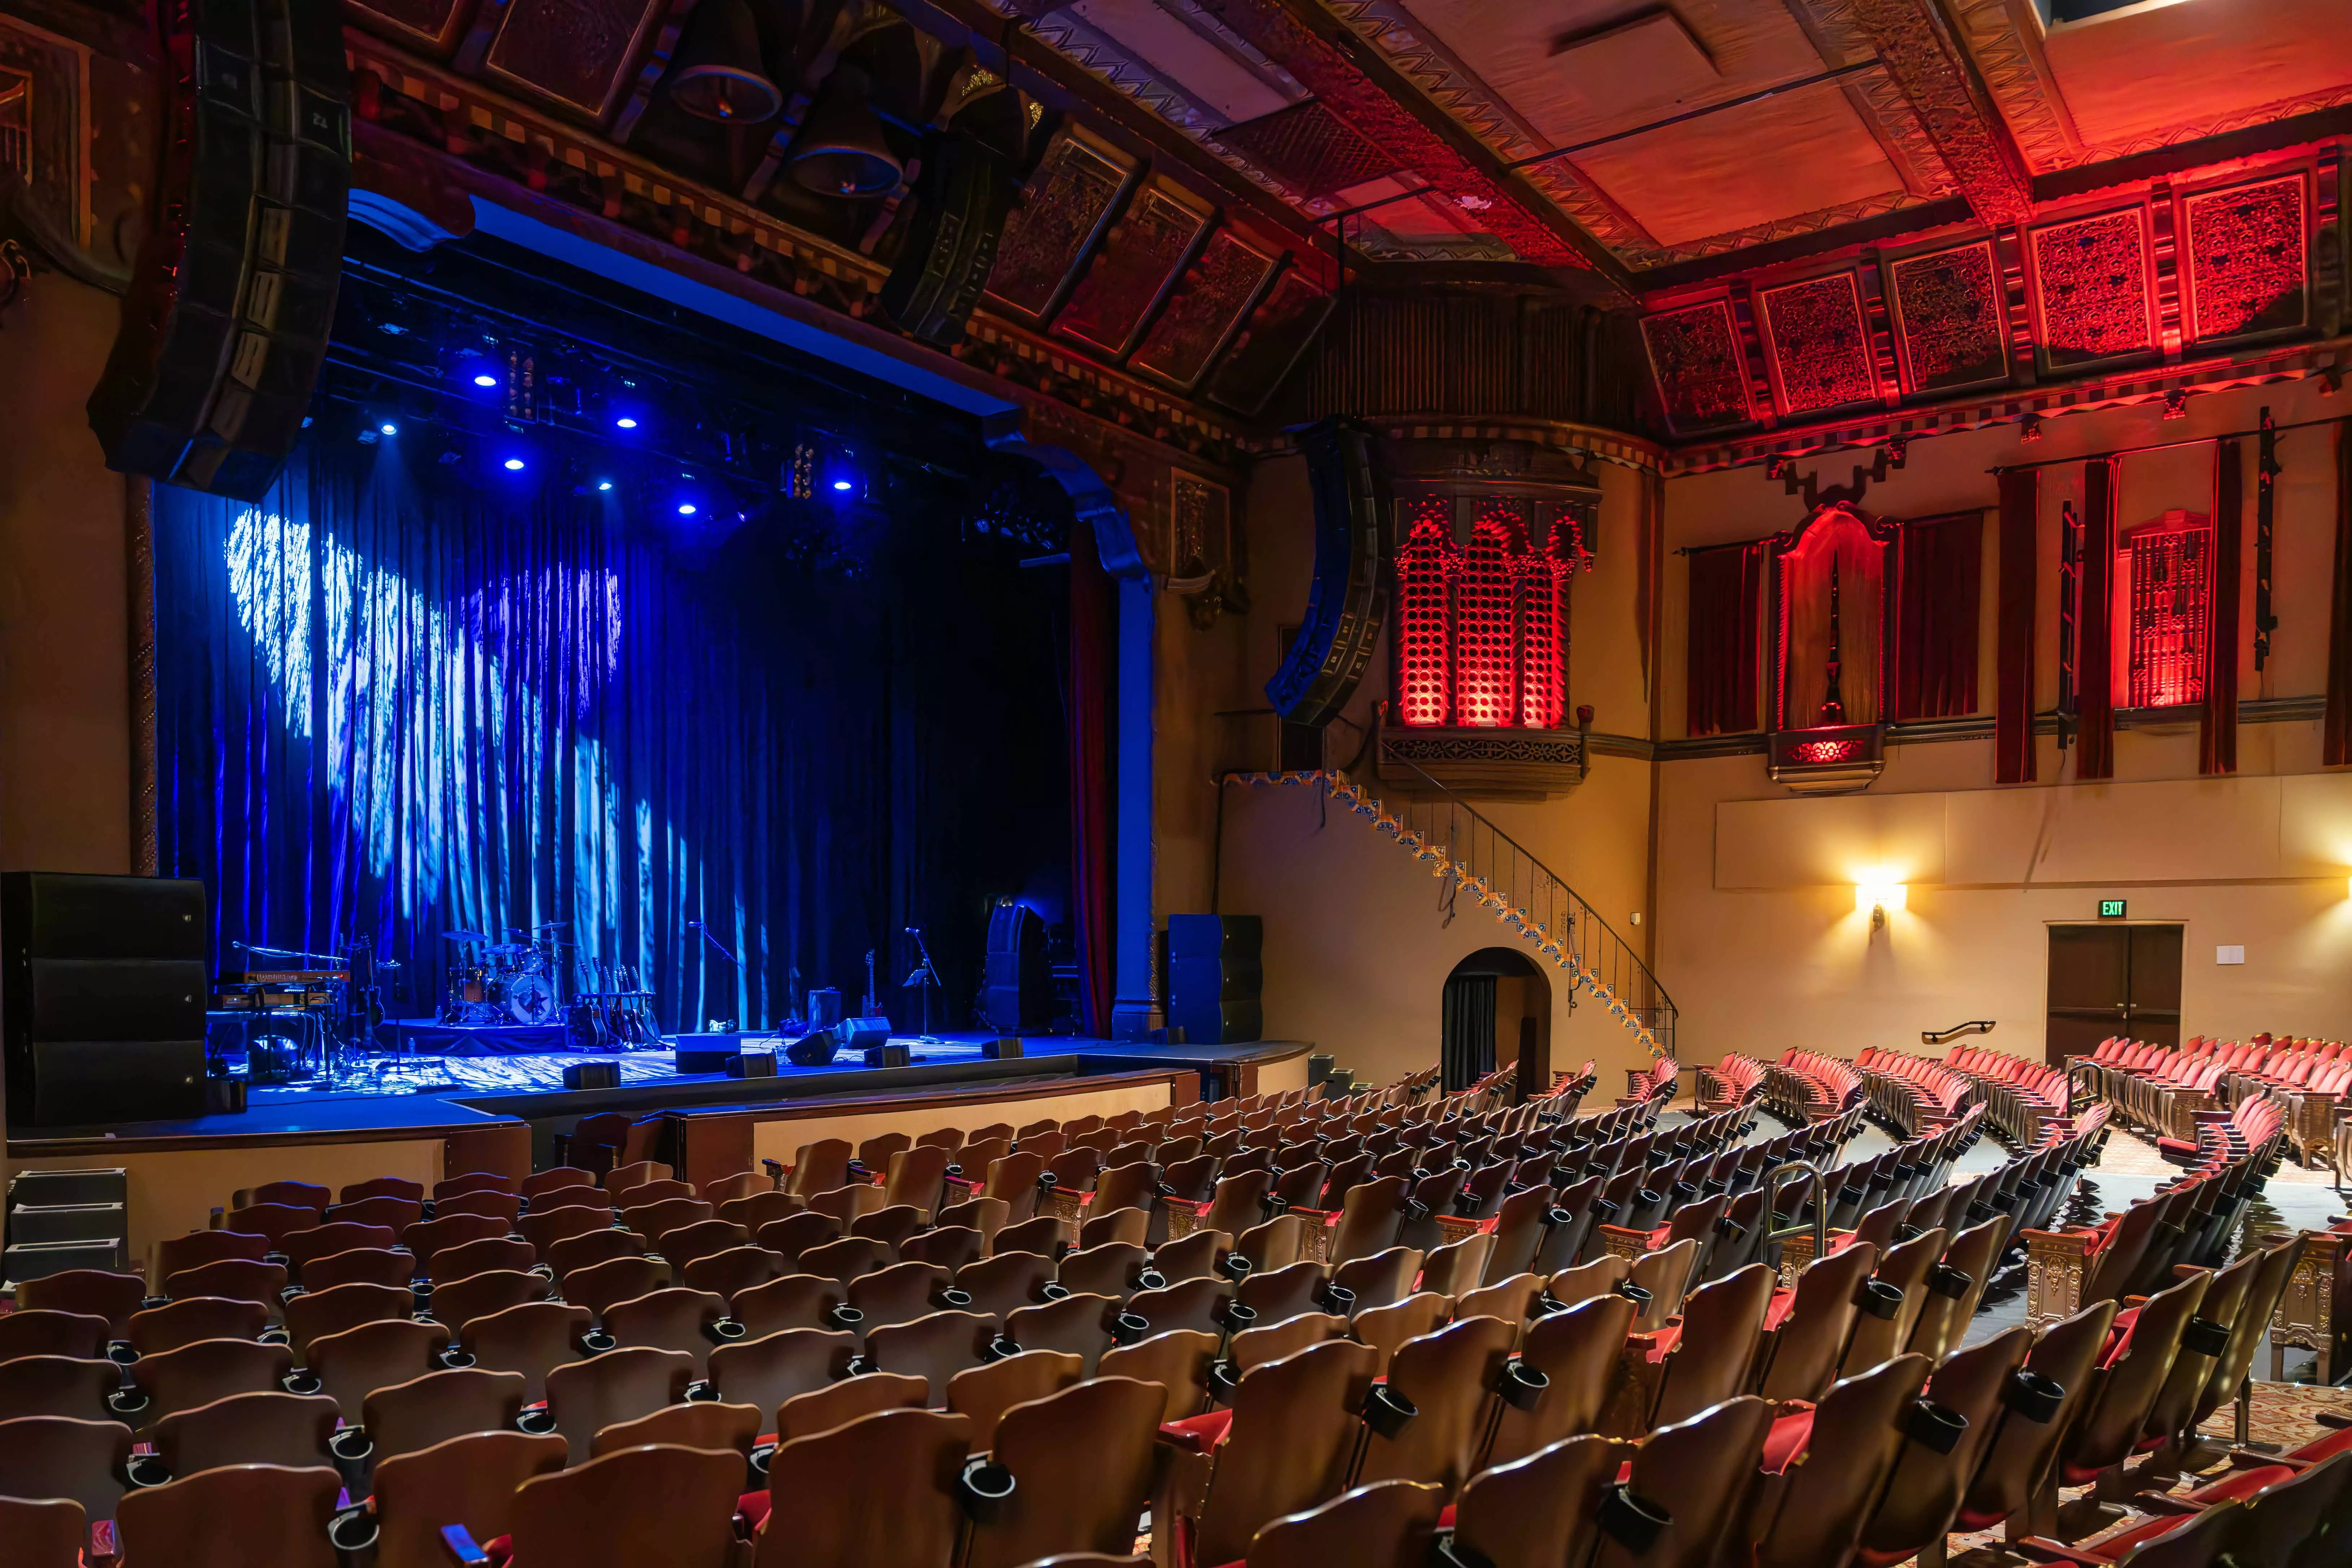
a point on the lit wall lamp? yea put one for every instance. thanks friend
(1876, 898)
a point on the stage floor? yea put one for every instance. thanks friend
(408, 1095)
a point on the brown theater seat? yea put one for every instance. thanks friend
(467, 1480)
(240, 1516)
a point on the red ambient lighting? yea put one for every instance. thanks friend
(1482, 629)
(1817, 752)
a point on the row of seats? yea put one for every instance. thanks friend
(2020, 1098)
(1809, 1085)
(1911, 1092)
(1735, 1081)
(1655, 1082)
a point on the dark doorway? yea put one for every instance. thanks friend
(2110, 980)
(1498, 1010)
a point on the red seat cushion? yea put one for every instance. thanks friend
(2326, 1447)
(1201, 1434)
(753, 1506)
(1789, 1436)
(1777, 1311)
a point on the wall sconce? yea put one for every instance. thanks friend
(1875, 899)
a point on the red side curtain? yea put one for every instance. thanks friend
(1094, 652)
(1936, 616)
(2094, 755)
(2012, 731)
(2216, 726)
(1726, 585)
(2335, 741)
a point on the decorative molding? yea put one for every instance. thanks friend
(1697, 362)
(2004, 38)
(1816, 344)
(2246, 250)
(1976, 146)
(2094, 288)
(1483, 761)
(1949, 317)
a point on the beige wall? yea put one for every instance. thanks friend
(64, 734)
(1759, 938)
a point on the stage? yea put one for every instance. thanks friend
(432, 1119)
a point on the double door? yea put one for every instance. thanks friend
(2112, 979)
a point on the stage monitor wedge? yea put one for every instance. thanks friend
(226, 323)
(1347, 603)
(962, 198)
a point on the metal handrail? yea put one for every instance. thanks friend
(1946, 1036)
(1817, 1199)
(1662, 1013)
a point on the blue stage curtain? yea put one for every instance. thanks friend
(391, 705)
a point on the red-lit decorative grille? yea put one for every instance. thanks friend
(1821, 352)
(1825, 751)
(1481, 628)
(1423, 630)
(1543, 640)
(2167, 572)
(2245, 260)
(1486, 666)
(2092, 276)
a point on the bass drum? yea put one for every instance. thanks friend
(530, 999)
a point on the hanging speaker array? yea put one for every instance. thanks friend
(226, 320)
(1347, 603)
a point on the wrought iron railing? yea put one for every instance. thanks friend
(1478, 861)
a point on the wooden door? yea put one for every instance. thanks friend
(2108, 980)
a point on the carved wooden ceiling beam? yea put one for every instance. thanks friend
(1975, 144)
(1355, 83)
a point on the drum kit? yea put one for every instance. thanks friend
(505, 981)
(520, 982)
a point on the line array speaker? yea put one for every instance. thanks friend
(105, 982)
(1216, 978)
(226, 320)
(962, 198)
(1346, 605)
(1019, 989)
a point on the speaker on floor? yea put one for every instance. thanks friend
(225, 323)
(1018, 992)
(863, 1034)
(812, 1050)
(592, 1074)
(889, 1056)
(1348, 601)
(1003, 1050)
(104, 982)
(961, 199)
(1216, 978)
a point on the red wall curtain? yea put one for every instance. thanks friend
(2095, 757)
(2216, 726)
(1936, 616)
(1727, 584)
(2013, 732)
(1093, 651)
(2335, 744)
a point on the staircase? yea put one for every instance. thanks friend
(1439, 828)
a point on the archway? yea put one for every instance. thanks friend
(1496, 1010)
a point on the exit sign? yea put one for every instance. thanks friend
(2111, 909)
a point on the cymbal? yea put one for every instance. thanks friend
(464, 936)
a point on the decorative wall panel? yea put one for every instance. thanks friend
(1816, 344)
(1702, 377)
(1065, 207)
(1951, 327)
(1425, 591)
(2246, 263)
(1134, 269)
(2092, 287)
(433, 25)
(575, 54)
(42, 82)
(1307, 148)
(1206, 308)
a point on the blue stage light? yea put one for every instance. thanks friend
(625, 423)
(686, 509)
(389, 430)
(843, 485)
(604, 484)
(514, 465)
(486, 379)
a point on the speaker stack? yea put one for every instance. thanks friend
(105, 980)
(1216, 978)
(962, 198)
(226, 320)
(1019, 988)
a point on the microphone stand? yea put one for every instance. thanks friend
(734, 961)
(925, 976)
